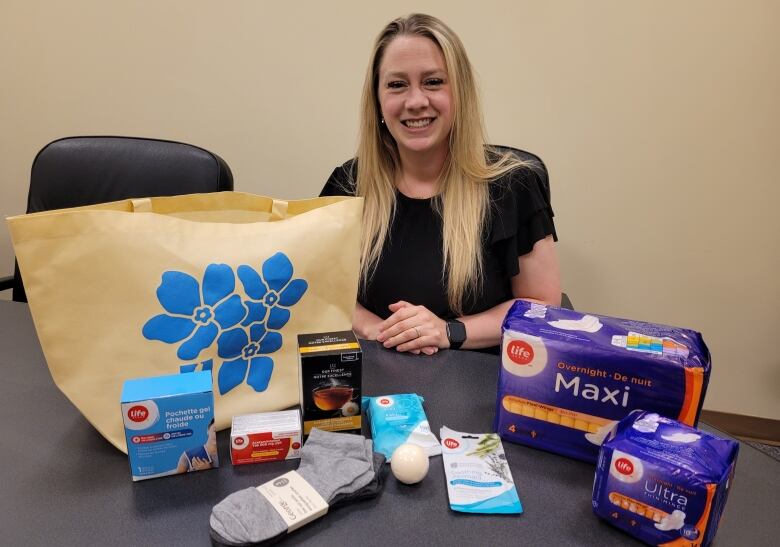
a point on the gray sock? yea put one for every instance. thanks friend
(370, 490)
(337, 465)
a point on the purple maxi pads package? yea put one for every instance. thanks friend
(566, 377)
(663, 482)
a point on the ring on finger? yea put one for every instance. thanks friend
(417, 331)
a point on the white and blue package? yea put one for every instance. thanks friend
(567, 378)
(399, 419)
(478, 475)
(662, 481)
(169, 424)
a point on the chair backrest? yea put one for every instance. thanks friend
(536, 164)
(78, 171)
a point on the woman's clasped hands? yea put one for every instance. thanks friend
(414, 329)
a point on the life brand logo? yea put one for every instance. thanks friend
(624, 466)
(451, 443)
(520, 352)
(138, 413)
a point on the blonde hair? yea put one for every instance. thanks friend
(463, 200)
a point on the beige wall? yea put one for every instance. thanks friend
(658, 122)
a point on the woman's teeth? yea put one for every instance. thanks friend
(418, 123)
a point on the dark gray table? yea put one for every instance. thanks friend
(63, 484)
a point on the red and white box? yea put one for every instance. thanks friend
(265, 437)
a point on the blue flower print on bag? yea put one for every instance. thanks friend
(192, 367)
(196, 314)
(271, 294)
(246, 357)
(244, 326)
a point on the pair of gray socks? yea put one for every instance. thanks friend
(341, 467)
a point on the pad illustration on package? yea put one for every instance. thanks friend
(566, 377)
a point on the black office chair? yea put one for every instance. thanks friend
(78, 171)
(538, 165)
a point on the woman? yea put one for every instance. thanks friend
(453, 230)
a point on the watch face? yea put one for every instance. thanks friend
(456, 332)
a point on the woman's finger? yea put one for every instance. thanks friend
(394, 307)
(406, 335)
(417, 343)
(400, 315)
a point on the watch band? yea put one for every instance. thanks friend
(456, 333)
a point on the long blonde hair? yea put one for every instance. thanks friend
(463, 200)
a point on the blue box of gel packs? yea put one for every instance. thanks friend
(568, 377)
(169, 424)
(663, 482)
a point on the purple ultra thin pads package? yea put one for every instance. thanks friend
(663, 482)
(568, 377)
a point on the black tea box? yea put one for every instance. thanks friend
(330, 381)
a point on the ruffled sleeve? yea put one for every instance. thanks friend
(521, 214)
(342, 181)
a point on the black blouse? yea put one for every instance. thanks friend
(410, 267)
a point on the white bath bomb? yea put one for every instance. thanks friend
(409, 463)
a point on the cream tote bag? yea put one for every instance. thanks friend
(155, 286)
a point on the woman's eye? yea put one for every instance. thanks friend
(396, 84)
(434, 82)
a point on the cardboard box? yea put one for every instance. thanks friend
(169, 424)
(330, 381)
(265, 437)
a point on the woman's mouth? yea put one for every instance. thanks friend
(418, 123)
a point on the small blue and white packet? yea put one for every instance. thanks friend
(478, 475)
(399, 419)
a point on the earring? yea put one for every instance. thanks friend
(382, 121)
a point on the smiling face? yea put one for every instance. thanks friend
(415, 96)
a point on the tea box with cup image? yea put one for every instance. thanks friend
(330, 381)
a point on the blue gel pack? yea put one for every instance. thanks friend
(399, 419)
(662, 481)
(169, 424)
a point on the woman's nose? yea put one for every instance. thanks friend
(417, 99)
